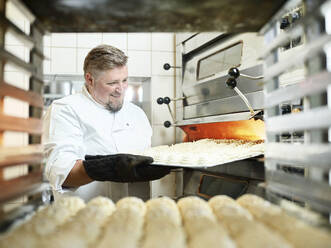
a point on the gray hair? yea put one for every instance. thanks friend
(104, 57)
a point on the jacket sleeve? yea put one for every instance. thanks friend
(63, 143)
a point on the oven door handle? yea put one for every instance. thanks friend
(231, 82)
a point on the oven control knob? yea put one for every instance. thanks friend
(284, 23)
(231, 83)
(286, 109)
(234, 72)
(160, 100)
(166, 100)
(166, 66)
(167, 124)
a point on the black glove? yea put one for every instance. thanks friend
(123, 168)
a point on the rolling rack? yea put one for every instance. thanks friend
(298, 38)
(28, 184)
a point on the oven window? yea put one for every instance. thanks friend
(217, 185)
(220, 61)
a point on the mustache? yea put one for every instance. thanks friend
(116, 95)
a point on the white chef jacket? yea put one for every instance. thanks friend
(77, 125)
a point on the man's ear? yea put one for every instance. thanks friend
(89, 79)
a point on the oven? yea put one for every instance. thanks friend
(271, 85)
(207, 107)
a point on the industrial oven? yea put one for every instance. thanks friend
(246, 85)
(271, 84)
(208, 107)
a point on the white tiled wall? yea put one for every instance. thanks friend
(140, 41)
(162, 42)
(119, 40)
(147, 53)
(139, 63)
(89, 40)
(63, 60)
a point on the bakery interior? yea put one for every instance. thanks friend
(238, 96)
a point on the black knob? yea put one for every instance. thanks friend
(166, 100)
(231, 83)
(234, 72)
(159, 100)
(166, 66)
(284, 23)
(259, 116)
(286, 109)
(167, 124)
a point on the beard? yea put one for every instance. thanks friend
(115, 106)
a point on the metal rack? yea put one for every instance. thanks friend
(29, 184)
(313, 153)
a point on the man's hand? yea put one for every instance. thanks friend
(122, 168)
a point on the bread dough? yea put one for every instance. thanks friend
(125, 226)
(85, 227)
(295, 231)
(241, 226)
(205, 152)
(163, 225)
(201, 226)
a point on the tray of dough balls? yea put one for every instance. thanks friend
(192, 222)
(204, 153)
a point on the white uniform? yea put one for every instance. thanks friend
(77, 125)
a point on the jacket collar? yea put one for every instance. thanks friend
(88, 95)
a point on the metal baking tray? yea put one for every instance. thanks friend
(252, 155)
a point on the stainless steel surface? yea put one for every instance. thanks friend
(316, 194)
(251, 77)
(300, 154)
(249, 171)
(248, 168)
(311, 85)
(310, 50)
(206, 93)
(199, 40)
(213, 87)
(183, 36)
(60, 87)
(278, 15)
(317, 118)
(216, 118)
(306, 215)
(299, 169)
(245, 100)
(224, 106)
(298, 29)
(209, 166)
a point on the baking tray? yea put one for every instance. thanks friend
(207, 165)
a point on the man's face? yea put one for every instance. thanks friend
(109, 87)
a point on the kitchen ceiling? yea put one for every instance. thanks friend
(153, 15)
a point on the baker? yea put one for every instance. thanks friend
(88, 136)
